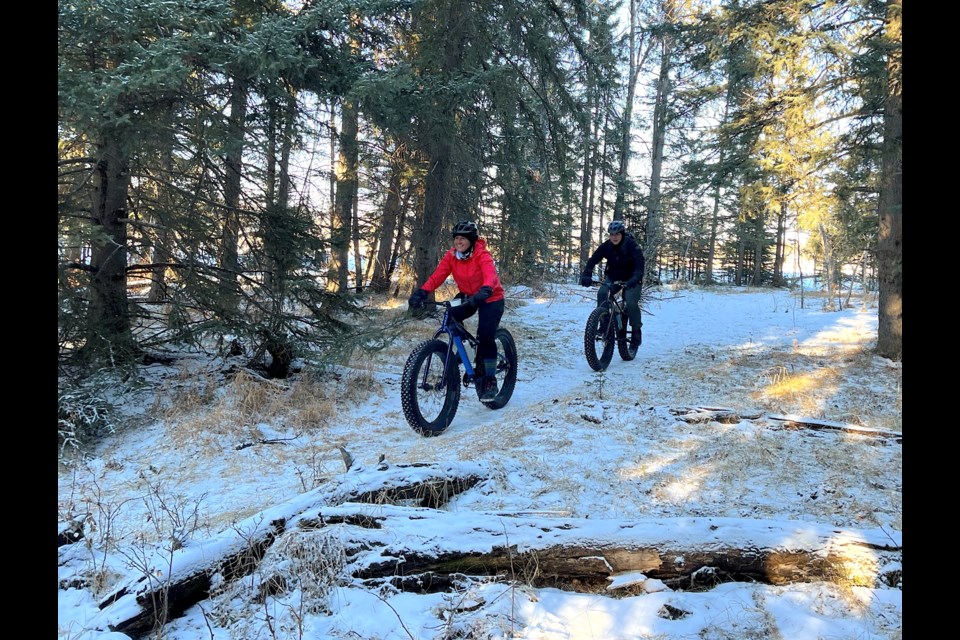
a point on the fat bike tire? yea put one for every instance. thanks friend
(506, 369)
(623, 344)
(598, 339)
(429, 390)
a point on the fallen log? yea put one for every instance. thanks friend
(585, 554)
(724, 415)
(72, 533)
(712, 414)
(793, 421)
(181, 578)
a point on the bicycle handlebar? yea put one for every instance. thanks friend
(432, 309)
(449, 304)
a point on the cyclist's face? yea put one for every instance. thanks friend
(460, 243)
(615, 238)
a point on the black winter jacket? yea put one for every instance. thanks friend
(624, 261)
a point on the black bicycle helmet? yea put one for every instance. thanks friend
(616, 226)
(467, 229)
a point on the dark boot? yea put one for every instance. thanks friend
(488, 388)
(636, 338)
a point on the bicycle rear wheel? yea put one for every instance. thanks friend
(506, 369)
(429, 390)
(599, 338)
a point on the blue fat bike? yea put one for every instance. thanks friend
(430, 384)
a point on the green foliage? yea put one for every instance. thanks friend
(499, 97)
(82, 416)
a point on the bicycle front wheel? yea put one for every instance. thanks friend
(599, 338)
(429, 389)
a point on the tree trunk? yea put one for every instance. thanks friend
(781, 245)
(355, 231)
(426, 239)
(799, 268)
(890, 209)
(280, 134)
(586, 219)
(654, 235)
(440, 135)
(380, 282)
(759, 241)
(741, 252)
(718, 180)
(595, 165)
(160, 240)
(828, 265)
(712, 240)
(585, 554)
(346, 176)
(109, 337)
(626, 137)
(233, 160)
(400, 239)
(577, 554)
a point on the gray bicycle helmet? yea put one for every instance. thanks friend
(467, 229)
(616, 226)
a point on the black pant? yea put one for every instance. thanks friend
(632, 300)
(487, 325)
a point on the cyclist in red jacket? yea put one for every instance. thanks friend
(476, 276)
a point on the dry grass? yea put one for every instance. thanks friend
(187, 392)
(845, 386)
(842, 382)
(360, 384)
(195, 409)
(310, 404)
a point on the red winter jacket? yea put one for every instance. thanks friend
(476, 271)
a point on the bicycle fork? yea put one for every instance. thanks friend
(615, 324)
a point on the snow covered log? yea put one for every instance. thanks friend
(182, 578)
(73, 532)
(585, 554)
(724, 415)
(711, 414)
(792, 421)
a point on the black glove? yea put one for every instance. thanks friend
(417, 298)
(631, 283)
(481, 296)
(586, 279)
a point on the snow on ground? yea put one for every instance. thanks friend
(206, 453)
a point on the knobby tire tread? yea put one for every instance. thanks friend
(506, 378)
(623, 343)
(598, 321)
(409, 388)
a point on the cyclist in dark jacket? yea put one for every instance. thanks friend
(624, 262)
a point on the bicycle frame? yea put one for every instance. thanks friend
(430, 387)
(456, 332)
(617, 302)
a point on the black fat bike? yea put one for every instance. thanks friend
(606, 327)
(430, 384)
